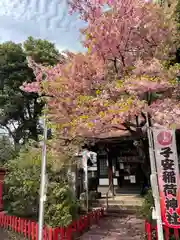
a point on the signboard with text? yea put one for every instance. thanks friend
(168, 176)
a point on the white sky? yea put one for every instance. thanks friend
(47, 19)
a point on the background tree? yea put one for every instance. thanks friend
(7, 151)
(22, 184)
(20, 111)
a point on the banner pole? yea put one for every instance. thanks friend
(85, 159)
(42, 182)
(154, 182)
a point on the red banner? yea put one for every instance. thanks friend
(168, 176)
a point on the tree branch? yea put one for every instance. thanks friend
(128, 127)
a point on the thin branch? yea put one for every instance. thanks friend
(115, 65)
(137, 121)
(127, 126)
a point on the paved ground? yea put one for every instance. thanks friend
(117, 228)
(7, 235)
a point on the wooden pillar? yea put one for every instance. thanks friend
(2, 175)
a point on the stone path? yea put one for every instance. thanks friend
(117, 228)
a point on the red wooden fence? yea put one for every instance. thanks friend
(29, 229)
(151, 232)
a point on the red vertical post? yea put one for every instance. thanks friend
(176, 233)
(22, 225)
(15, 224)
(5, 222)
(148, 230)
(59, 232)
(19, 225)
(80, 225)
(44, 233)
(36, 231)
(25, 228)
(29, 229)
(33, 230)
(166, 229)
(50, 234)
(10, 222)
(1, 219)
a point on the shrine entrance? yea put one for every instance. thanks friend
(119, 162)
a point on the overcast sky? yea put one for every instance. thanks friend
(47, 19)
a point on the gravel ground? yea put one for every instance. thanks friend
(117, 228)
(7, 235)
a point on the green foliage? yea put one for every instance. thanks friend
(22, 189)
(148, 204)
(7, 151)
(20, 111)
(61, 207)
(41, 51)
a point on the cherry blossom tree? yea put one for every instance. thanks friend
(120, 78)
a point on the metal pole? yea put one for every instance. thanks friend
(43, 183)
(85, 166)
(87, 190)
(154, 183)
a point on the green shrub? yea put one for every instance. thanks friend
(148, 204)
(22, 189)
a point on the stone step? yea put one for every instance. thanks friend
(120, 209)
(121, 200)
(118, 204)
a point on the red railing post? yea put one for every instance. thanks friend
(176, 233)
(6, 224)
(1, 220)
(5, 221)
(36, 232)
(9, 223)
(59, 233)
(85, 222)
(44, 233)
(22, 225)
(18, 225)
(70, 229)
(89, 218)
(80, 225)
(166, 230)
(29, 229)
(148, 230)
(50, 234)
(13, 222)
(33, 230)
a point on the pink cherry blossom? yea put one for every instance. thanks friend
(121, 76)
